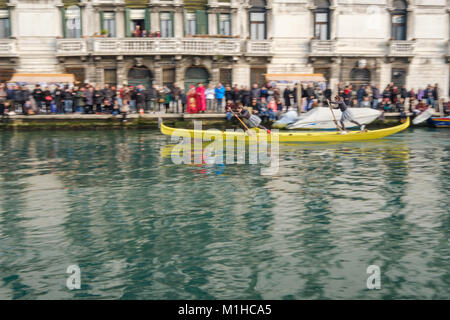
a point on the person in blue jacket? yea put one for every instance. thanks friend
(220, 93)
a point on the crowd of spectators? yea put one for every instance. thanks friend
(268, 101)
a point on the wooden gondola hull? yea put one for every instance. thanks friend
(260, 135)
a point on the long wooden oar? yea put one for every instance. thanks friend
(245, 126)
(334, 117)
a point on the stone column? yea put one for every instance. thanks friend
(90, 71)
(120, 23)
(410, 23)
(384, 67)
(178, 23)
(241, 73)
(335, 75)
(179, 72)
(120, 72)
(240, 23)
(215, 73)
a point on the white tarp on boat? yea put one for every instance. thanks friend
(322, 118)
(428, 113)
(289, 117)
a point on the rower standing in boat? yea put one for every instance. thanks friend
(346, 114)
(253, 121)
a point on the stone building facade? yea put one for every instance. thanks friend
(232, 41)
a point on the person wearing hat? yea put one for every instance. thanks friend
(346, 114)
(253, 121)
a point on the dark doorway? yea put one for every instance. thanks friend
(398, 77)
(140, 75)
(194, 76)
(359, 77)
(225, 77)
(257, 75)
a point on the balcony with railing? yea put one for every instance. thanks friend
(259, 47)
(148, 46)
(8, 47)
(401, 48)
(69, 47)
(323, 48)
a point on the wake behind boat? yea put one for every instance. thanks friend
(257, 135)
(320, 118)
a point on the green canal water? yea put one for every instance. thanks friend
(141, 227)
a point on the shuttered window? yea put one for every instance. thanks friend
(202, 22)
(168, 77)
(111, 77)
(5, 30)
(398, 20)
(224, 24)
(225, 76)
(166, 23)
(108, 23)
(191, 23)
(72, 22)
(257, 25)
(257, 75)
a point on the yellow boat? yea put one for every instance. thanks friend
(256, 135)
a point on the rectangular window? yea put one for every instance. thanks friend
(73, 22)
(257, 25)
(257, 75)
(225, 76)
(321, 26)
(190, 23)
(225, 24)
(168, 77)
(109, 23)
(166, 24)
(399, 27)
(111, 77)
(4, 24)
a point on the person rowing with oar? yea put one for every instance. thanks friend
(346, 114)
(252, 120)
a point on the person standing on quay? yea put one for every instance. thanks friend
(140, 99)
(58, 94)
(38, 96)
(80, 99)
(210, 97)
(67, 97)
(229, 93)
(98, 100)
(183, 99)
(176, 94)
(89, 107)
(201, 98)
(287, 95)
(192, 100)
(219, 92)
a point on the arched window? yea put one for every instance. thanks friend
(322, 19)
(257, 19)
(398, 24)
